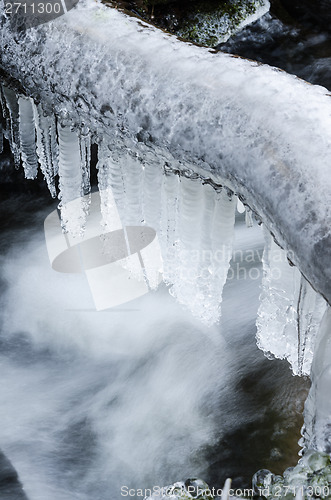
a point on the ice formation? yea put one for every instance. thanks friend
(193, 217)
(151, 94)
(193, 488)
(27, 137)
(290, 311)
(311, 478)
(181, 132)
(317, 428)
(47, 147)
(9, 104)
(170, 146)
(194, 222)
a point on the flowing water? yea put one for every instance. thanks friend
(301, 46)
(139, 396)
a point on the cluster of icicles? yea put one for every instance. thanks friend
(194, 219)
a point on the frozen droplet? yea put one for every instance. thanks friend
(240, 206)
(317, 460)
(261, 480)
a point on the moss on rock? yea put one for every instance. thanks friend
(206, 22)
(210, 26)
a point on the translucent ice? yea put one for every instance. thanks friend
(317, 413)
(27, 137)
(71, 181)
(47, 147)
(154, 105)
(266, 133)
(290, 310)
(9, 101)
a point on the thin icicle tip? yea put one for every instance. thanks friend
(47, 147)
(10, 109)
(27, 137)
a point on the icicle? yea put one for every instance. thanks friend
(5, 113)
(110, 187)
(132, 172)
(317, 412)
(2, 119)
(222, 234)
(189, 211)
(152, 185)
(188, 256)
(203, 248)
(85, 154)
(73, 207)
(1, 135)
(277, 318)
(10, 102)
(310, 310)
(69, 165)
(248, 217)
(52, 149)
(47, 148)
(168, 226)
(209, 200)
(27, 137)
(289, 311)
(223, 225)
(123, 173)
(116, 179)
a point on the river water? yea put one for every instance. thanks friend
(143, 395)
(300, 45)
(139, 396)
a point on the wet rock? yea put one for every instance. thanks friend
(308, 10)
(10, 485)
(206, 22)
(210, 24)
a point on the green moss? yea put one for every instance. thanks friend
(206, 22)
(210, 26)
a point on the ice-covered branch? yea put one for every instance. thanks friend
(265, 133)
(158, 107)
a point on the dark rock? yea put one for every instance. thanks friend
(10, 485)
(306, 10)
(206, 22)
